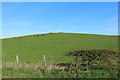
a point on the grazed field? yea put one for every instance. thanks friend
(31, 49)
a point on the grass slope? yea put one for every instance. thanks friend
(32, 49)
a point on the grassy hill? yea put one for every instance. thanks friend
(32, 48)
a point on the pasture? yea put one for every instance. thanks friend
(54, 46)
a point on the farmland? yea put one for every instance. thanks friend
(31, 49)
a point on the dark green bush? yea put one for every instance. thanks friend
(106, 59)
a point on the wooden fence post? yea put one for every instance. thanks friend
(44, 59)
(17, 59)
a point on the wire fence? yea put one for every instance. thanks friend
(49, 60)
(41, 60)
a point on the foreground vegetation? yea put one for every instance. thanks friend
(9, 72)
(85, 64)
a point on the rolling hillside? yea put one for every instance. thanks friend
(32, 48)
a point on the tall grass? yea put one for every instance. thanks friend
(26, 71)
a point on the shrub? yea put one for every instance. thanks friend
(98, 58)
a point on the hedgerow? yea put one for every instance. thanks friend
(90, 60)
(98, 58)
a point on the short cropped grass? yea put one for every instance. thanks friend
(32, 49)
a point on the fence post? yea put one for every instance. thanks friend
(17, 59)
(44, 59)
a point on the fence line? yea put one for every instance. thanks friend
(40, 60)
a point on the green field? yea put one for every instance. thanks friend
(53, 46)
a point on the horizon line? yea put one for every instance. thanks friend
(62, 33)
